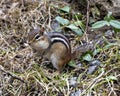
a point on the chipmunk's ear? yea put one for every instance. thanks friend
(42, 30)
(32, 34)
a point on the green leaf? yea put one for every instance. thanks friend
(115, 24)
(72, 63)
(100, 24)
(109, 14)
(62, 20)
(78, 32)
(65, 9)
(80, 23)
(110, 45)
(92, 20)
(72, 26)
(87, 57)
(96, 51)
(76, 29)
(111, 78)
(108, 17)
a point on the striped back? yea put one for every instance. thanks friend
(58, 37)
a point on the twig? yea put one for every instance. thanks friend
(10, 74)
(92, 83)
(49, 18)
(87, 20)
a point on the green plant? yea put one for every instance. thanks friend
(75, 25)
(109, 20)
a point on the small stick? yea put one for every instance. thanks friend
(87, 20)
(10, 74)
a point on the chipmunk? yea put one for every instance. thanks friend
(54, 46)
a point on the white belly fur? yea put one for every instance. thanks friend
(54, 60)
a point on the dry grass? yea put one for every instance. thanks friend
(23, 74)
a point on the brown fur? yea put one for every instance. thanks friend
(57, 52)
(62, 55)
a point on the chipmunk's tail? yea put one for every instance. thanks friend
(82, 49)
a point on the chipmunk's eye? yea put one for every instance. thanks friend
(37, 36)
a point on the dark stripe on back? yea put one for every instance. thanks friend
(62, 39)
(57, 41)
(56, 34)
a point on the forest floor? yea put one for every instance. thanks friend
(95, 73)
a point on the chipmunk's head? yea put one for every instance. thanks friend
(38, 40)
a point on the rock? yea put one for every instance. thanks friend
(79, 65)
(77, 93)
(73, 81)
(109, 34)
(93, 66)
